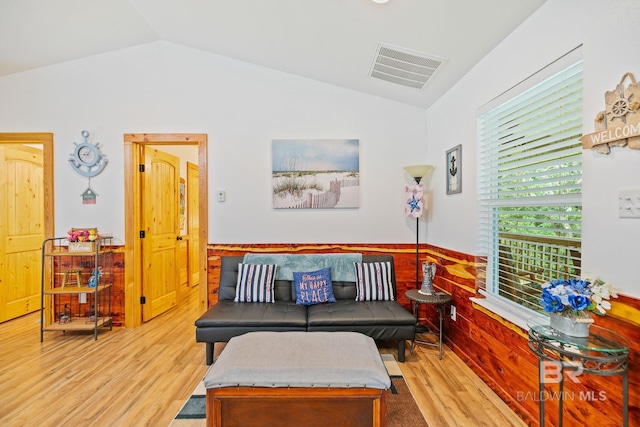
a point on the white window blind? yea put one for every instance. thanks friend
(529, 188)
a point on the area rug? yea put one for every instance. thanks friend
(402, 410)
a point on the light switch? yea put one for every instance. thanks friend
(221, 195)
(629, 203)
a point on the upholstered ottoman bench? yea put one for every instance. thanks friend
(297, 378)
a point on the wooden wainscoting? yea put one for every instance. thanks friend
(404, 258)
(495, 349)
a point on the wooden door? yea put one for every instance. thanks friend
(193, 223)
(183, 263)
(160, 281)
(21, 229)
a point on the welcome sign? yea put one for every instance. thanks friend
(611, 135)
(619, 124)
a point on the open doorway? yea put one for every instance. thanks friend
(152, 232)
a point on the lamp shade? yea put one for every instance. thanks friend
(417, 172)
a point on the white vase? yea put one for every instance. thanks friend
(574, 325)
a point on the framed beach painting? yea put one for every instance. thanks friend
(315, 173)
(454, 170)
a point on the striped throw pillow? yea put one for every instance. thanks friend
(373, 281)
(255, 283)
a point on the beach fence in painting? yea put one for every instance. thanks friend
(327, 199)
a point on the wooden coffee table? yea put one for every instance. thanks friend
(297, 378)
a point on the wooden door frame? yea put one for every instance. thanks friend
(46, 140)
(133, 144)
(192, 168)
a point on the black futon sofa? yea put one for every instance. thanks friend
(381, 320)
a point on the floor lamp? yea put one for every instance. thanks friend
(414, 205)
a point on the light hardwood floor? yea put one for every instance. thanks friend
(450, 394)
(142, 376)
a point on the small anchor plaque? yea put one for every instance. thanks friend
(454, 170)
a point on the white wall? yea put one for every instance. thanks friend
(608, 32)
(164, 87)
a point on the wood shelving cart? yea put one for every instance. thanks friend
(76, 286)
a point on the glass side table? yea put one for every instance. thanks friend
(603, 352)
(439, 299)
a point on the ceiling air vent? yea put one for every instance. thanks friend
(404, 67)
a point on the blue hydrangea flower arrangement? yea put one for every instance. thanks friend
(573, 297)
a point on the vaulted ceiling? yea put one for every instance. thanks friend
(332, 41)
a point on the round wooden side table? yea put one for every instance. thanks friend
(439, 299)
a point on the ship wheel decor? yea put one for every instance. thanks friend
(87, 159)
(619, 124)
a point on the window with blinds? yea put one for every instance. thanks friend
(529, 188)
